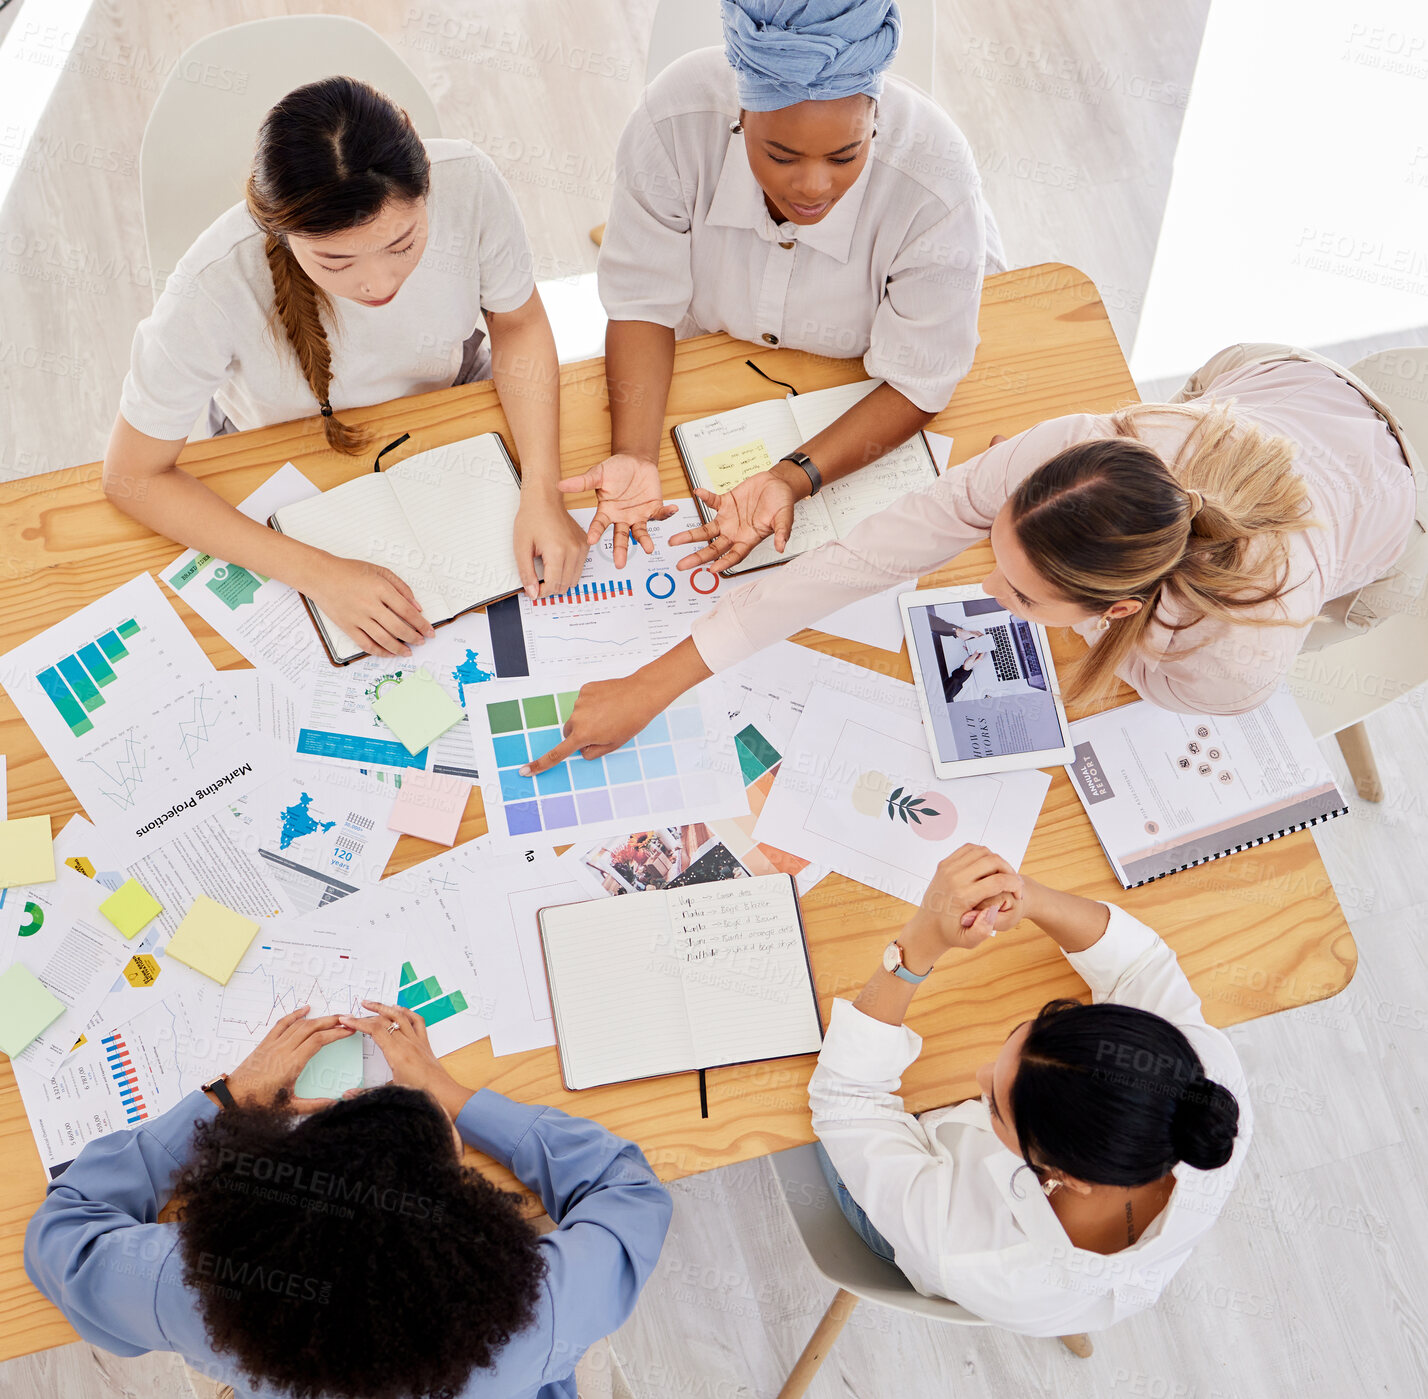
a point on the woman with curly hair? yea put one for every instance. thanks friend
(341, 1248)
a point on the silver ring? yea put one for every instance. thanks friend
(393, 1028)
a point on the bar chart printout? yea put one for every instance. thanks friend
(75, 683)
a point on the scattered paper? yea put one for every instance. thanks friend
(131, 908)
(27, 855)
(940, 445)
(430, 807)
(26, 1008)
(261, 618)
(416, 709)
(872, 621)
(212, 939)
(140, 725)
(858, 791)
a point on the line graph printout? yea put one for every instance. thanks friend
(146, 733)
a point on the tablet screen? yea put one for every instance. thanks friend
(986, 680)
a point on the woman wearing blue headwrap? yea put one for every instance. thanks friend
(788, 192)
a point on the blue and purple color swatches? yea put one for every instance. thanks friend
(658, 770)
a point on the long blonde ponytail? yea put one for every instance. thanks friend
(1109, 520)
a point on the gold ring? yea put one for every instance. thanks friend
(393, 1028)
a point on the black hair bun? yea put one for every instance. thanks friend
(1206, 1122)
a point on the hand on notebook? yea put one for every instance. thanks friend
(757, 507)
(544, 528)
(628, 496)
(371, 604)
(281, 1055)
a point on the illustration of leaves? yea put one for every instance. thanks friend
(915, 817)
(895, 795)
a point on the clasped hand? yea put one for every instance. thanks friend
(974, 894)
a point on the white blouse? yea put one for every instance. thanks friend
(964, 1216)
(893, 272)
(211, 334)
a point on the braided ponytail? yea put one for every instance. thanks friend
(329, 156)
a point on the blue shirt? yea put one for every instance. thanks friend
(95, 1247)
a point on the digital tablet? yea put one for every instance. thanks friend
(986, 684)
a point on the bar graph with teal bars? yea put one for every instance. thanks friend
(424, 995)
(75, 684)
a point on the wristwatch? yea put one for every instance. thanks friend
(219, 1088)
(893, 962)
(800, 459)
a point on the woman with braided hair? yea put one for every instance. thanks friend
(356, 271)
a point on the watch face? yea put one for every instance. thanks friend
(892, 957)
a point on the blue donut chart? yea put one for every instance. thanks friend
(650, 585)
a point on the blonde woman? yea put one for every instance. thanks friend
(355, 272)
(1192, 544)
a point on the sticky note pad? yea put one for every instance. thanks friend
(212, 939)
(26, 1008)
(334, 1069)
(27, 855)
(430, 806)
(131, 908)
(416, 709)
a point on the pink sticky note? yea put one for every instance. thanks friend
(429, 806)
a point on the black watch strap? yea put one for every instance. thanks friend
(219, 1088)
(801, 459)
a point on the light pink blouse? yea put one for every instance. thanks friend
(1360, 486)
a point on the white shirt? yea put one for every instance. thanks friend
(212, 336)
(892, 273)
(966, 1218)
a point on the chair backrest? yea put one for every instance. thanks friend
(1350, 680)
(681, 26)
(838, 1253)
(198, 144)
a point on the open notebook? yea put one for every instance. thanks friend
(721, 451)
(442, 520)
(675, 980)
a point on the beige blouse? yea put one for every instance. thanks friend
(1360, 487)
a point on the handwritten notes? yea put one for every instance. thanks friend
(727, 468)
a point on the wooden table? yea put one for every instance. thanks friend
(1256, 933)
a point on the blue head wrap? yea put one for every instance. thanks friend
(787, 51)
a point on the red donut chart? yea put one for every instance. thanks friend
(704, 591)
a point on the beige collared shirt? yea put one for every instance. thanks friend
(892, 274)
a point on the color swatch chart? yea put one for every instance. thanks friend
(75, 683)
(126, 1080)
(602, 590)
(660, 770)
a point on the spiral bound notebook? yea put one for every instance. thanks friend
(1167, 791)
(675, 980)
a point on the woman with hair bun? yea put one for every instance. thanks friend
(1106, 1141)
(355, 271)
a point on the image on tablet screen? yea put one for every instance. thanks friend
(986, 680)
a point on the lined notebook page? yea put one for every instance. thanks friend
(746, 981)
(360, 519)
(728, 448)
(615, 990)
(875, 486)
(461, 501)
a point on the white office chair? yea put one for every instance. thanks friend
(852, 1267)
(198, 144)
(680, 26)
(1342, 685)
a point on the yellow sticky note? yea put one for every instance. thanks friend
(212, 939)
(27, 855)
(416, 709)
(131, 908)
(726, 469)
(26, 1008)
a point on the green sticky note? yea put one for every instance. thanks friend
(27, 855)
(416, 709)
(540, 711)
(212, 939)
(131, 908)
(504, 716)
(334, 1069)
(26, 1007)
